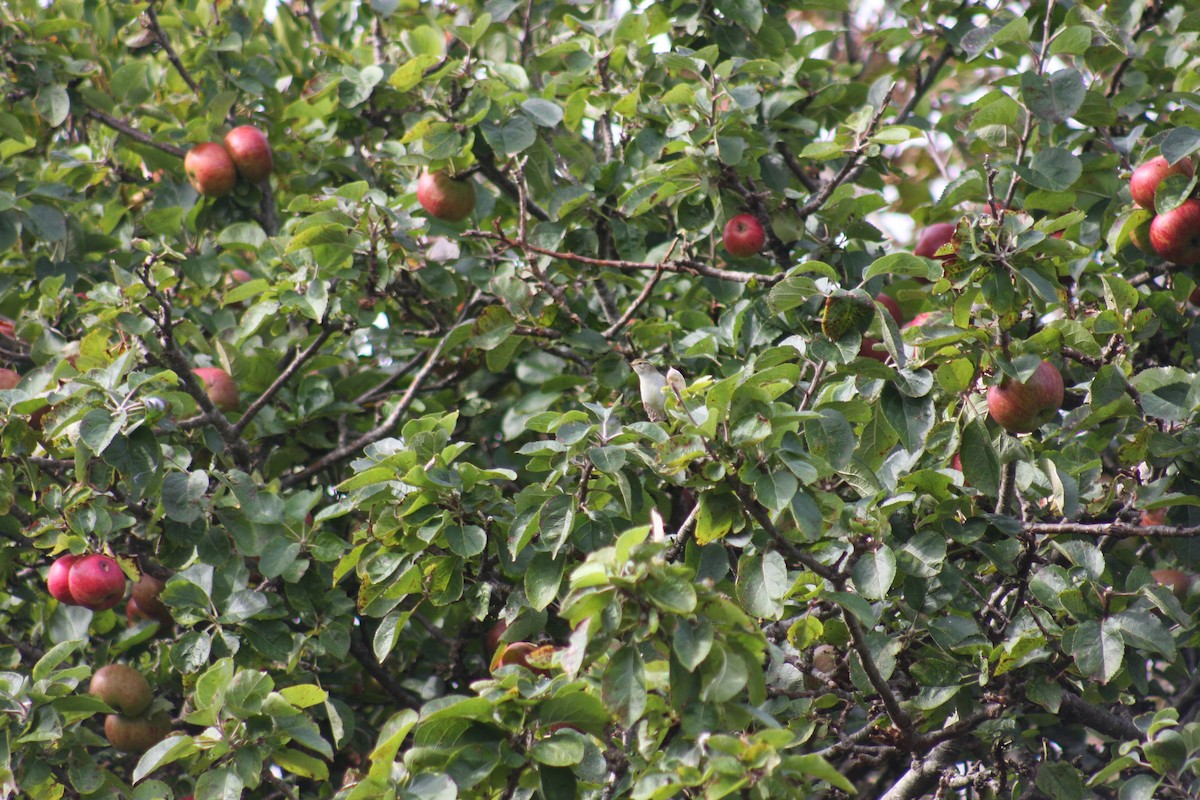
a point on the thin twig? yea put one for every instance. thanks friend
(297, 362)
(613, 329)
(314, 22)
(172, 56)
(384, 428)
(133, 133)
(683, 266)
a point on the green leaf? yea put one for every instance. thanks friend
(543, 112)
(874, 572)
(1060, 780)
(904, 264)
(1053, 98)
(559, 750)
(762, 581)
(748, 13)
(1054, 169)
(911, 418)
(692, 641)
(183, 493)
(623, 686)
(1098, 649)
(542, 579)
(53, 103)
(304, 695)
(814, 764)
(1179, 143)
(980, 462)
(165, 752)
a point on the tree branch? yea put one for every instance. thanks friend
(1117, 529)
(914, 782)
(1073, 708)
(165, 43)
(685, 266)
(132, 133)
(384, 428)
(297, 362)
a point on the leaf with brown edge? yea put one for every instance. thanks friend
(845, 312)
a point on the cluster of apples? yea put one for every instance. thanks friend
(97, 582)
(134, 728)
(213, 167)
(1175, 234)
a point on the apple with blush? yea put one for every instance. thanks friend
(58, 579)
(136, 734)
(1145, 179)
(210, 170)
(531, 656)
(1178, 581)
(1153, 516)
(445, 197)
(933, 238)
(1024, 407)
(219, 386)
(1175, 234)
(9, 378)
(96, 582)
(123, 688)
(743, 236)
(250, 152)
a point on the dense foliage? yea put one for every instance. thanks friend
(783, 586)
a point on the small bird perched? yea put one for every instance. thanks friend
(651, 383)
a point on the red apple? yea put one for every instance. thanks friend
(1180, 583)
(123, 688)
(136, 734)
(96, 582)
(58, 579)
(1154, 516)
(933, 238)
(919, 320)
(743, 236)
(445, 197)
(1146, 178)
(250, 151)
(210, 169)
(1175, 235)
(491, 639)
(9, 378)
(238, 275)
(219, 387)
(7, 328)
(1023, 407)
(893, 307)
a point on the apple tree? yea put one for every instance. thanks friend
(556, 399)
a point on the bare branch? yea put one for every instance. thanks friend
(1120, 530)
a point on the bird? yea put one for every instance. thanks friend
(651, 384)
